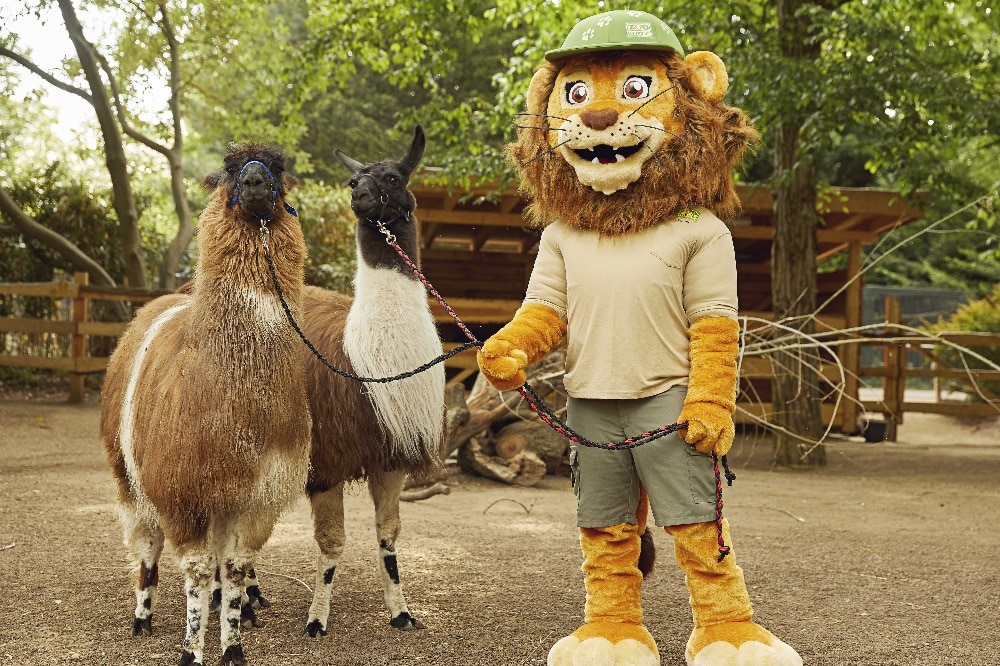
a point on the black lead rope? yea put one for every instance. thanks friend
(535, 401)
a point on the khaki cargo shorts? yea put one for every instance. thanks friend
(680, 481)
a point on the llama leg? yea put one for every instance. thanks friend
(144, 540)
(239, 542)
(328, 519)
(251, 597)
(254, 596)
(233, 569)
(216, 592)
(385, 489)
(199, 569)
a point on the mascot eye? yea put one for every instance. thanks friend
(577, 92)
(637, 87)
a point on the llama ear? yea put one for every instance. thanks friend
(416, 151)
(352, 164)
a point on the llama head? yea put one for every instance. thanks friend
(254, 179)
(378, 191)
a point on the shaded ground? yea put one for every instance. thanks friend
(887, 556)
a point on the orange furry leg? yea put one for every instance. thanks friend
(613, 633)
(723, 630)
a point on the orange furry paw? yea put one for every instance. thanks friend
(502, 364)
(710, 427)
(745, 643)
(606, 644)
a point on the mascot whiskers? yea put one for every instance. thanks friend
(626, 154)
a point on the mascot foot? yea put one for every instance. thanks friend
(738, 644)
(606, 644)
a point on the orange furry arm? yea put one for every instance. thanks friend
(535, 330)
(711, 397)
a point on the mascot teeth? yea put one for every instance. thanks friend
(605, 154)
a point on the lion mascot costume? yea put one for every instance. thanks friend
(627, 159)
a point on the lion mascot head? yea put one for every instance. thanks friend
(623, 130)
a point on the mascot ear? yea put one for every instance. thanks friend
(540, 88)
(709, 75)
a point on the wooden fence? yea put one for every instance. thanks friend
(77, 323)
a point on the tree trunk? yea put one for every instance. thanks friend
(185, 229)
(795, 387)
(114, 151)
(29, 227)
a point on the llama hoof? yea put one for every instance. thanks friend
(142, 626)
(187, 659)
(233, 656)
(248, 618)
(746, 643)
(314, 629)
(406, 622)
(256, 598)
(606, 644)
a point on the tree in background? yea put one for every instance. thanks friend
(149, 53)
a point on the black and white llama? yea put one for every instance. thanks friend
(377, 432)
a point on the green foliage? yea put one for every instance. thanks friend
(328, 225)
(403, 63)
(71, 206)
(980, 316)
(899, 95)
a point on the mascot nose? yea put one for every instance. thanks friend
(599, 120)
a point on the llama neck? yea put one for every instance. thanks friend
(233, 269)
(389, 331)
(375, 252)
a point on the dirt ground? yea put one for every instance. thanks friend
(887, 556)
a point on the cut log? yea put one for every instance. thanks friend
(551, 447)
(524, 469)
(489, 408)
(510, 440)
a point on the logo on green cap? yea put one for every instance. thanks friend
(618, 30)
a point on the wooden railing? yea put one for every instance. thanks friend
(77, 361)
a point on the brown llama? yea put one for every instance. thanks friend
(204, 415)
(374, 431)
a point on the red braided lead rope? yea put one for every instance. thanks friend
(549, 417)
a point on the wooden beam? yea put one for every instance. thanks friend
(476, 310)
(30, 325)
(472, 218)
(822, 235)
(49, 289)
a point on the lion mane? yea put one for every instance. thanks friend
(695, 169)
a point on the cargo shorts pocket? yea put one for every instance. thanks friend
(574, 470)
(701, 476)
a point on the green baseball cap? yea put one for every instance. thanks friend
(619, 30)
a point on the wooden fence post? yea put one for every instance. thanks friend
(851, 354)
(78, 344)
(894, 387)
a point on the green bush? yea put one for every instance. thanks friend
(328, 225)
(979, 316)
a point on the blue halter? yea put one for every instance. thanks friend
(235, 199)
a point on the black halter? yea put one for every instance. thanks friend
(403, 213)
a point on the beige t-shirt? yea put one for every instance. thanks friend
(628, 301)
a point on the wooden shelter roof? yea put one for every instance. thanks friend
(477, 245)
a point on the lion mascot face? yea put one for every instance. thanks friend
(623, 130)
